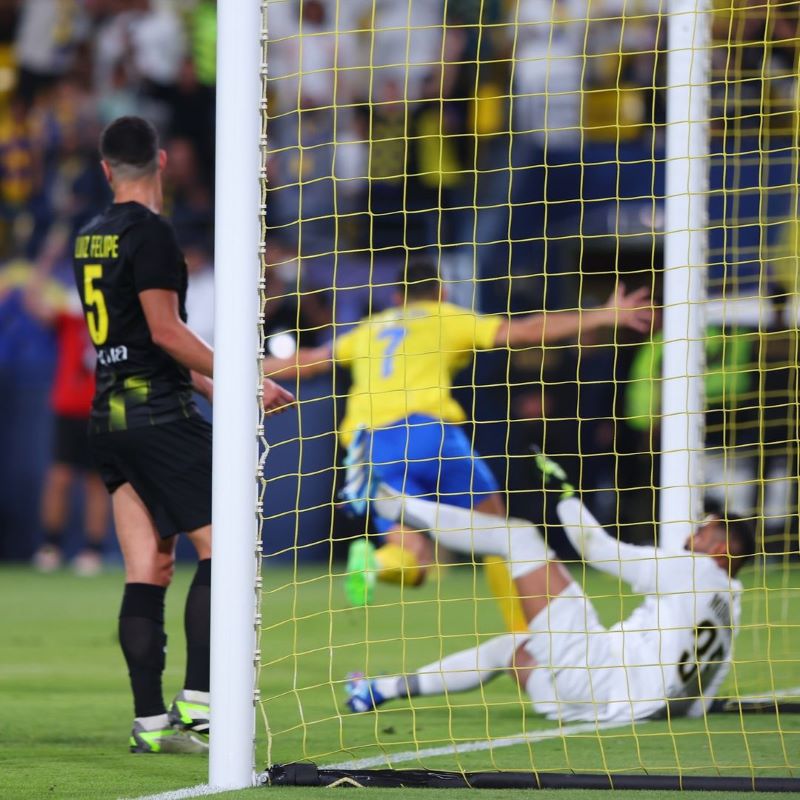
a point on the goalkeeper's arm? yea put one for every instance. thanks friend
(633, 310)
(305, 363)
(631, 563)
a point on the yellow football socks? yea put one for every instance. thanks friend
(505, 591)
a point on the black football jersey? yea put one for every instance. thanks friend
(127, 250)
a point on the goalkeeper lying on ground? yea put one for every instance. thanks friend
(402, 417)
(670, 656)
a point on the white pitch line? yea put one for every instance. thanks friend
(203, 790)
(765, 698)
(389, 759)
(481, 744)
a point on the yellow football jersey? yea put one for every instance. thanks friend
(403, 361)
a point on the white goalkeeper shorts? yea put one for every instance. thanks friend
(575, 657)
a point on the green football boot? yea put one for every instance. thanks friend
(362, 568)
(190, 713)
(165, 740)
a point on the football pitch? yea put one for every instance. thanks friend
(66, 709)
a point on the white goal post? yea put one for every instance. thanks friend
(236, 407)
(685, 268)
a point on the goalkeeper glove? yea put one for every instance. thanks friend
(554, 475)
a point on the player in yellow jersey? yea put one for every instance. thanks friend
(402, 418)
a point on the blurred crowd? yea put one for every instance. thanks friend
(476, 131)
(67, 68)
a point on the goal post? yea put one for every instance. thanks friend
(685, 268)
(236, 407)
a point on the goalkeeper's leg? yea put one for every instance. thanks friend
(520, 653)
(458, 672)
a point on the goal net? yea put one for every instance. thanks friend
(537, 155)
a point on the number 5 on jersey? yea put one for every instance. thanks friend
(97, 313)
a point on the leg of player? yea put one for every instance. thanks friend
(498, 574)
(471, 668)
(404, 553)
(458, 672)
(55, 507)
(89, 561)
(403, 558)
(465, 531)
(190, 710)
(149, 564)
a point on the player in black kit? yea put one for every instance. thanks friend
(151, 445)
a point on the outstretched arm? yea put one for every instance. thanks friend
(305, 363)
(633, 311)
(171, 334)
(631, 563)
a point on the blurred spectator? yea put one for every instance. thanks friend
(203, 29)
(200, 297)
(200, 291)
(754, 64)
(302, 55)
(48, 35)
(192, 115)
(399, 204)
(549, 51)
(74, 188)
(20, 158)
(731, 391)
(120, 98)
(406, 42)
(188, 200)
(71, 400)
(301, 202)
(150, 40)
(291, 319)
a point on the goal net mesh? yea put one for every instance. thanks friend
(520, 148)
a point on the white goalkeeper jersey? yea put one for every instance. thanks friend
(673, 652)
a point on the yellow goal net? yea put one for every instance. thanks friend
(530, 268)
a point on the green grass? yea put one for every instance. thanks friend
(66, 710)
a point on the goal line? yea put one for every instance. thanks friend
(367, 772)
(743, 704)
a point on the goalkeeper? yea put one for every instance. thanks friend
(401, 415)
(669, 657)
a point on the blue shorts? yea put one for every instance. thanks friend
(425, 457)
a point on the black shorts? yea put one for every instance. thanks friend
(71, 442)
(168, 465)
